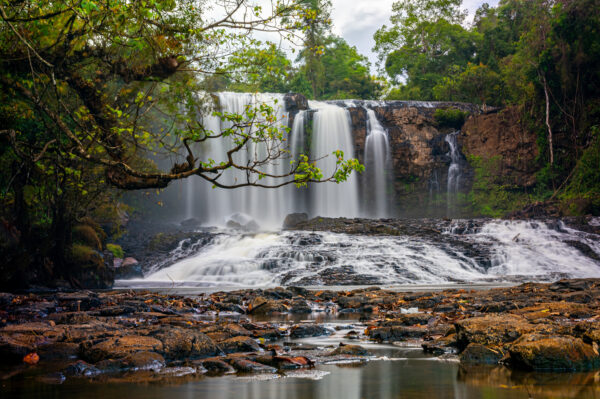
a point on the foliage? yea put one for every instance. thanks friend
(490, 197)
(116, 250)
(450, 117)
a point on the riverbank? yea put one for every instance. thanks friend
(145, 336)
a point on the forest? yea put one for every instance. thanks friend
(96, 93)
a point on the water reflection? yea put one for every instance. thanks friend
(414, 377)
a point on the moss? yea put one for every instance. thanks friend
(86, 235)
(116, 250)
(450, 117)
(85, 256)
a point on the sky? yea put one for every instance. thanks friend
(357, 20)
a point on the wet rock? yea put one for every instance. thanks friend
(397, 333)
(308, 330)
(129, 268)
(353, 350)
(180, 342)
(480, 354)
(495, 330)
(144, 361)
(81, 369)
(553, 352)
(239, 344)
(263, 306)
(293, 219)
(114, 348)
(58, 351)
(300, 306)
(217, 366)
(248, 366)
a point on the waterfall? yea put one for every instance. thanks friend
(377, 160)
(268, 206)
(454, 172)
(332, 131)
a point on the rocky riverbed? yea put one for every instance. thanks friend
(142, 336)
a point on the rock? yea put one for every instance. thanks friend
(295, 102)
(495, 330)
(553, 352)
(248, 366)
(144, 361)
(191, 223)
(184, 343)
(118, 347)
(217, 366)
(81, 369)
(239, 344)
(241, 221)
(397, 333)
(58, 351)
(263, 306)
(480, 354)
(353, 350)
(293, 219)
(308, 330)
(300, 306)
(129, 268)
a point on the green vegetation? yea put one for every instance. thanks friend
(116, 250)
(94, 92)
(540, 56)
(450, 117)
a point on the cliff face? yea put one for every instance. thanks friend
(421, 154)
(502, 138)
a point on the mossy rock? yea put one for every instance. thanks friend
(116, 250)
(86, 256)
(86, 235)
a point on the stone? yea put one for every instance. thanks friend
(81, 369)
(118, 347)
(553, 353)
(180, 342)
(144, 361)
(308, 330)
(217, 366)
(248, 366)
(353, 350)
(239, 344)
(480, 354)
(294, 219)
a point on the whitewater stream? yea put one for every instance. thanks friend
(470, 252)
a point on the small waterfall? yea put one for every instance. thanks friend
(298, 147)
(377, 160)
(454, 172)
(332, 131)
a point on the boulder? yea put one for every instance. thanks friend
(496, 330)
(308, 330)
(185, 342)
(294, 219)
(239, 344)
(248, 366)
(480, 354)
(352, 350)
(553, 352)
(119, 347)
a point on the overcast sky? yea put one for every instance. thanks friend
(357, 20)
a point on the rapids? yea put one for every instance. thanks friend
(461, 252)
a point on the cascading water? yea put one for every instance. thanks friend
(377, 162)
(464, 252)
(332, 131)
(454, 172)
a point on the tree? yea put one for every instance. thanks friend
(476, 84)
(425, 39)
(92, 91)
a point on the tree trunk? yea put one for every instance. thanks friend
(548, 120)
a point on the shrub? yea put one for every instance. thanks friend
(116, 250)
(86, 235)
(450, 117)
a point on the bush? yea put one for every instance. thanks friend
(450, 117)
(86, 235)
(116, 250)
(85, 256)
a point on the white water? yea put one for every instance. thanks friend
(454, 172)
(377, 164)
(332, 131)
(515, 251)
